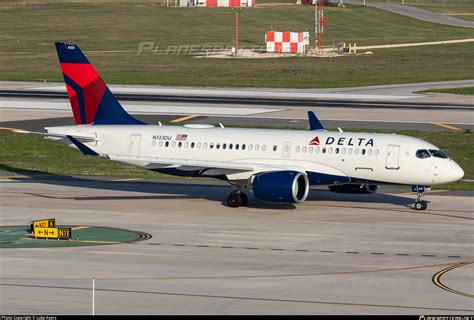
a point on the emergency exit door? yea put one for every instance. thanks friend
(135, 145)
(393, 152)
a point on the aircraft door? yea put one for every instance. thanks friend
(135, 145)
(393, 152)
(286, 149)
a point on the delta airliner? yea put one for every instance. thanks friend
(278, 166)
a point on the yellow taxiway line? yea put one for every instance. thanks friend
(446, 126)
(437, 279)
(183, 119)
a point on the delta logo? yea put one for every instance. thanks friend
(343, 141)
(314, 142)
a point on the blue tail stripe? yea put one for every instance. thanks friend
(70, 53)
(80, 97)
(111, 112)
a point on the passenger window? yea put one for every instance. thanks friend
(180, 144)
(336, 151)
(167, 144)
(257, 147)
(369, 152)
(237, 146)
(349, 151)
(275, 148)
(250, 147)
(356, 151)
(243, 147)
(343, 150)
(363, 151)
(224, 146)
(218, 146)
(298, 149)
(324, 150)
(422, 154)
(192, 145)
(173, 144)
(199, 145)
(317, 150)
(330, 150)
(186, 144)
(204, 145)
(376, 152)
(160, 144)
(264, 147)
(230, 146)
(310, 149)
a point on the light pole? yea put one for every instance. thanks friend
(236, 31)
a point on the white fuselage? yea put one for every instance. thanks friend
(371, 157)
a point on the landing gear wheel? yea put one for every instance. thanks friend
(244, 200)
(421, 205)
(234, 200)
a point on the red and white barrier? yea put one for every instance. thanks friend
(225, 3)
(287, 42)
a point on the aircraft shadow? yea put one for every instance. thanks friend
(174, 189)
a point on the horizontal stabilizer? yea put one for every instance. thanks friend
(47, 134)
(84, 149)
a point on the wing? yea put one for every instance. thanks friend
(158, 163)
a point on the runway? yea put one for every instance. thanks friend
(33, 106)
(358, 254)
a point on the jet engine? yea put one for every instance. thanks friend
(281, 186)
(354, 188)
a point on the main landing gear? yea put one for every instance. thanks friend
(421, 204)
(237, 199)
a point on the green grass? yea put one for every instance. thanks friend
(23, 153)
(112, 30)
(466, 90)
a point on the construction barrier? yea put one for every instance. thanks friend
(287, 42)
(222, 3)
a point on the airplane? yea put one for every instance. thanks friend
(278, 166)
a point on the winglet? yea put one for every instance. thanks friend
(84, 149)
(314, 123)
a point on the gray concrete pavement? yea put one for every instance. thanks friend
(414, 12)
(361, 254)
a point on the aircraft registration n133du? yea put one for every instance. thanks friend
(279, 166)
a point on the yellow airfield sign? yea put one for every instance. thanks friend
(52, 233)
(46, 223)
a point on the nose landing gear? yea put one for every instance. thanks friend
(420, 204)
(237, 199)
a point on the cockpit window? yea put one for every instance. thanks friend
(438, 154)
(422, 154)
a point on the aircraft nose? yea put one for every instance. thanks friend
(456, 171)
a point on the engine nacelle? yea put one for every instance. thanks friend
(354, 188)
(281, 186)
